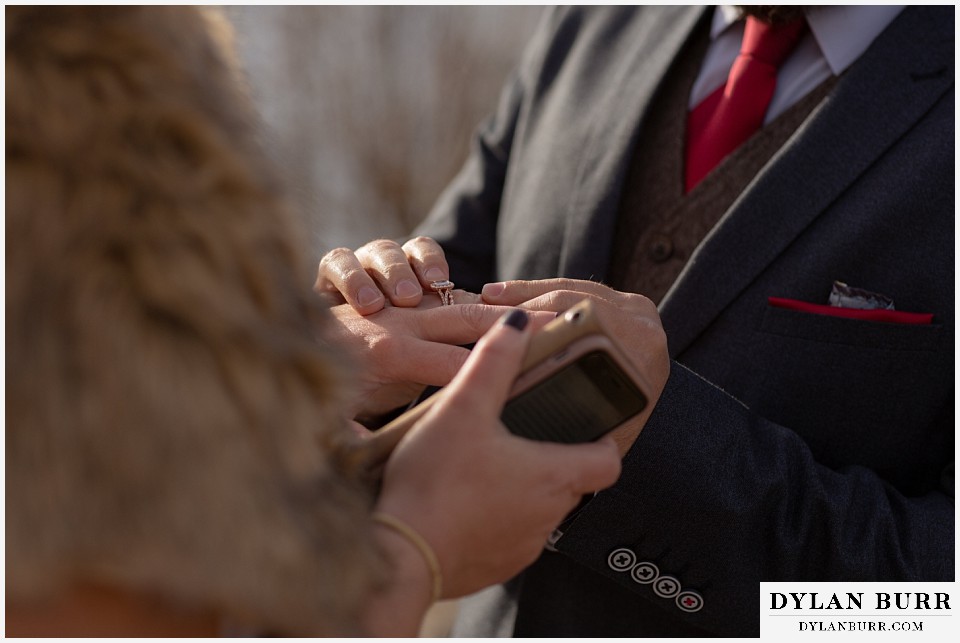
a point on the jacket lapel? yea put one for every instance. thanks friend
(906, 70)
(628, 89)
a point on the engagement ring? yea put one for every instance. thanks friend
(443, 288)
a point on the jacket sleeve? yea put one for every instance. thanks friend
(707, 472)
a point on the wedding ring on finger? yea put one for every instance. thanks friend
(445, 290)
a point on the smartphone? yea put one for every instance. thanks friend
(575, 385)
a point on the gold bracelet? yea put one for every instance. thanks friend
(422, 546)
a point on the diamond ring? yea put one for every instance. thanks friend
(443, 288)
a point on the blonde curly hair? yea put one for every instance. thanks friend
(170, 408)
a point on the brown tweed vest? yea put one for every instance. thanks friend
(658, 226)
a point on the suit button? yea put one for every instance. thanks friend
(620, 560)
(644, 573)
(661, 248)
(689, 601)
(666, 587)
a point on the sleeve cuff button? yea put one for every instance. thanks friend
(689, 601)
(621, 560)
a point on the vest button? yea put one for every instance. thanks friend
(661, 248)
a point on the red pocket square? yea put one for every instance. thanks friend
(879, 315)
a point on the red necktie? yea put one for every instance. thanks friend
(730, 115)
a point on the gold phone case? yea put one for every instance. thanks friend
(367, 458)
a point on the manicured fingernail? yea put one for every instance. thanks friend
(368, 295)
(407, 289)
(516, 318)
(434, 274)
(493, 290)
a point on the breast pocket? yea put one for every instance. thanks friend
(857, 391)
(851, 332)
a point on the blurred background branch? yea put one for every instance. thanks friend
(369, 110)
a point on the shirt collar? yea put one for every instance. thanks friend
(843, 33)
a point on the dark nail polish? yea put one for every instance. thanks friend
(516, 318)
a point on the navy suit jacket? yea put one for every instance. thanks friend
(786, 445)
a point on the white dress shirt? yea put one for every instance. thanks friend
(838, 36)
